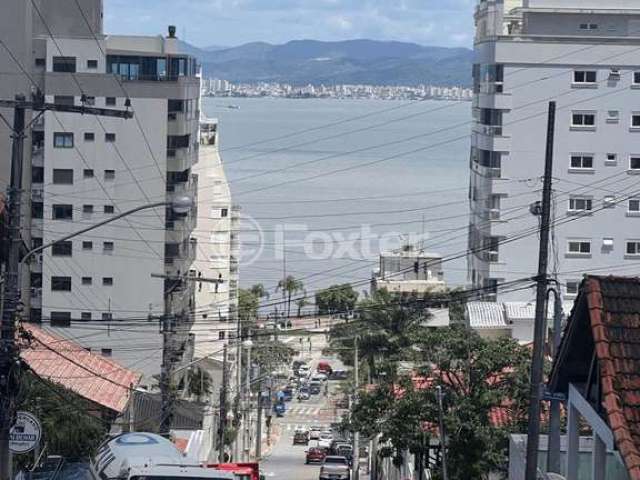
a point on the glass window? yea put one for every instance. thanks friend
(85, 316)
(579, 247)
(61, 284)
(63, 140)
(579, 204)
(634, 205)
(89, 136)
(87, 173)
(108, 246)
(62, 249)
(92, 64)
(37, 210)
(62, 212)
(583, 119)
(109, 174)
(581, 161)
(584, 76)
(87, 280)
(37, 174)
(108, 209)
(633, 247)
(107, 281)
(635, 120)
(87, 209)
(64, 100)
(636, 78)
(60, 319)
(110, 101)
(63, 176)
(64, 64)
(634, 163)
(572, 287)
(109, 137)
(87, 245)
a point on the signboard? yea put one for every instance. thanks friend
(25, 434)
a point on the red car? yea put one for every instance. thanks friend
(315, 455)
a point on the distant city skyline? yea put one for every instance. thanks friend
(206, 23)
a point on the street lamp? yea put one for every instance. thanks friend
(181, 205)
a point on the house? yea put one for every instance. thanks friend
(597, 369)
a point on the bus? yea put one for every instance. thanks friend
(147, 456)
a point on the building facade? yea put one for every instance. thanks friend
(86, 168)
(409, 271)
(582, 54)
(216, 298)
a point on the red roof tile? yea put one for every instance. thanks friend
(59, 360)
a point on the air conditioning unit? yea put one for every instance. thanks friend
(614, 74)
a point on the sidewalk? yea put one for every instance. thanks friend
(268, 446)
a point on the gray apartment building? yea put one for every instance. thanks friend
(81, 169)
(585, 56)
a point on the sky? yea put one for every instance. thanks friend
(234, 22)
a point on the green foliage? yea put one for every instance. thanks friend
(199, 383)
(477, 376)
(289, 286)
(271, 355)
(259, 291)
(302, 302)
(248, 304)
(336, 299)
(72, 427)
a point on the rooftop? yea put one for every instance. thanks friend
(93, 377)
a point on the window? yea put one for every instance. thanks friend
(109, 174)
(636, 78)
(60, 319)
(37, 210)
(62, 212)
(593, 26)
(87, 245)
(87, 173)
(584, 26)
(634, 162)
(36, 280)
(92, 64)
(579, 247)
(107, 246)
(221, 335)
(583, 120)
(613, 116)
(85, 316)
(64, 64)
(88, 100)
(106, 352)
(580, 204)
(36, 242)
(61, 284)
(107, 281)
(107, 316)
(41, 62)
(62, 249)
(635, 121)
(37, 174)
(611, 160)
(63, 176)
(89, 136)
(87, 209)
(582, 161)
(62, 140)
(572, 287)
(64, 100)
(633, 248)
(110, 137)
(110, 101)
(87, 280)
(634, 205)
(224, 212)
(108, 209)
(584, 76)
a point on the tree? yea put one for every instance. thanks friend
(289, 287)
(302, 302)
(336, 299)
(248, 304)
(271, 355)
(199, 383)
(386, 328)
(259, 291)
(69, 427)
(478, 377)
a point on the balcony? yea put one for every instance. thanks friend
(37, 156)
(181, 123)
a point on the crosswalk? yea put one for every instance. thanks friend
(304, 411)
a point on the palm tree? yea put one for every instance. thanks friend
(302, 302)
(289, 287)
(259, 291)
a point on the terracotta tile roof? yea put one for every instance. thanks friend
(606, 318)
(93, 377)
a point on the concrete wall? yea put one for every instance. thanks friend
(64, 19)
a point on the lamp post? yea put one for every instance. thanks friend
(247, 406)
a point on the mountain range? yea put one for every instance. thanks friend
(301, 62)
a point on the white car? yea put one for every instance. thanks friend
(325, 439)
(320, 377)
(314, 432)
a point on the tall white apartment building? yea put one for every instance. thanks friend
(216, 299)
(583, 54)
(85, 169)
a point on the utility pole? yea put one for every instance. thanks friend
(247, 405)
(537, 362)
(553, 458)
(443, 442)
(222, 425)
(355, 475)
(9, 355)
(259, 424)
(168, 329)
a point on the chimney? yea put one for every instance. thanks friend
(172, 31)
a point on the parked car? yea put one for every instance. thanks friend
(335, 467)
(303, 394)
(301, 437)
(339, 375)
(287, 394)
(279, 409)
(314, 432)
(315, 455)
(318, 377)
(314, 387)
